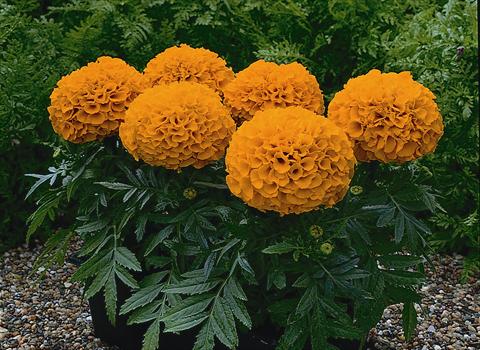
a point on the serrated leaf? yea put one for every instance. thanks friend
(228, 246)
(92, 242)
(234, 287)
(153, 278)
(145, 313)
(399, 228)
(239, 309)
(92, 226)
(356, 227)
(279, 248)
(126, 277)
(127, 259)
(110, 293)
(191, 286)
(303, 281)
(277, 278)
(245, 265)
(140, 229)
(308, 299)
(420, 225)
(209, 264)
(151, 337)
(91, 266)
(293, 337)
(409, 320)
(159, 238)
(114, 185)
(99, 281)
(318, 325)
(188, 307)
(185, 323)
(386, 217)
(129, 194)
(205, 338)
(335, 311)
(223, 323)
(140, 298)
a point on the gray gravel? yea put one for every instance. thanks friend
(449, 318)
(52, 315)
(49, 315)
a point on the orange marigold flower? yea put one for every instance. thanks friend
(177, 125)
(265, 85)
(389, 116)
(184, 63)
(289, 160)
(90, 103)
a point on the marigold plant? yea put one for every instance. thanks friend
(264, 85)
(389, 116)
(177, 125)
(289, 160)
(90, 103)
(184, 63)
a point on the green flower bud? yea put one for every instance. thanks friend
(356, 190)
(190, 193)
(315, 231)
(326, 248)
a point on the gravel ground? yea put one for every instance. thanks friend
(52, 315)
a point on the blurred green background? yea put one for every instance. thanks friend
(336, 39)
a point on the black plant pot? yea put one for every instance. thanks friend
(129, 337)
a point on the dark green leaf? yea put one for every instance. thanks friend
(159, 238)
(115, 185)
(223, 323)
(184, 323)
(126, 258)
(409, 320)
(110, 293)
(191, 286)
(140, 298)
(126, 277)
(399, 228)
(279, 248)
(205, 338)
(151, 337)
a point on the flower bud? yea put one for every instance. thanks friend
(326, 248)
(190, 193)
(356, 190)
(315, 231)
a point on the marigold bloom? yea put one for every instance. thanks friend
(184, 63)
(177, 125)
(264, 85)
(90, 103)
(389, 116)
(289, 160)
